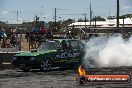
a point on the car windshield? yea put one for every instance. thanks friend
(49, 45)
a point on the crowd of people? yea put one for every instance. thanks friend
(33, 36)
(9, 39)
(37, 34)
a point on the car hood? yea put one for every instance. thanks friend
(29, 53)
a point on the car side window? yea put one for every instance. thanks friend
(71, 44)
(77, 44)
(49, 45)
(64, 45)
(74, 44)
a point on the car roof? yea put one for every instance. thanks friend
(60, 40)
(65, 39)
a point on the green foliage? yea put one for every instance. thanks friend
(111, 17)
(81, 20)
(56, 26)
(98, 18)
(39, 23)
(121, 17)
(2, 24)
(126, 16)
(67, 22)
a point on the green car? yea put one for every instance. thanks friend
(51, 53)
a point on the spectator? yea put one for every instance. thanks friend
(14, 39)
(35, 30)
(32, 40)
(68, 35)
(64, 45)
(3, 45)
(27, 35)
(49, 34)
(42, 30)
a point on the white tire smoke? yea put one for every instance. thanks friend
(107, 51)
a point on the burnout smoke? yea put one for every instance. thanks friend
(107, 51)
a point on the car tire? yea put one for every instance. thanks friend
(81, 80)
(45, 65)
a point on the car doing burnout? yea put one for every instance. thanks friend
(51, 53)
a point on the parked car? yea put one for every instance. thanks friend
(51, 53)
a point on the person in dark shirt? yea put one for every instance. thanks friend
(64, 45)
(49, 34)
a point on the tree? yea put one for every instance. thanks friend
(39, 23)
(81, 20)
(98, 18)
(126, 16)
(67, 22)
(2, 24)
(111, 17)
(54, 26)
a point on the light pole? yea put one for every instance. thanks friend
(118, 9)
(85, 19)
(44, 21)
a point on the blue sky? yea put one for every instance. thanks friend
(65, 9)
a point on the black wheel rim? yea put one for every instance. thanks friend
(46, 66)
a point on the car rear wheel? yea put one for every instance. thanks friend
(46, 65)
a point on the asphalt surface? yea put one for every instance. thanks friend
(15, 78)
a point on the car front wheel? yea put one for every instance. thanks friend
(45, 65)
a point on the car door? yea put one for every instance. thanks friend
(76, 50)
(70, 54)
(62, 54)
